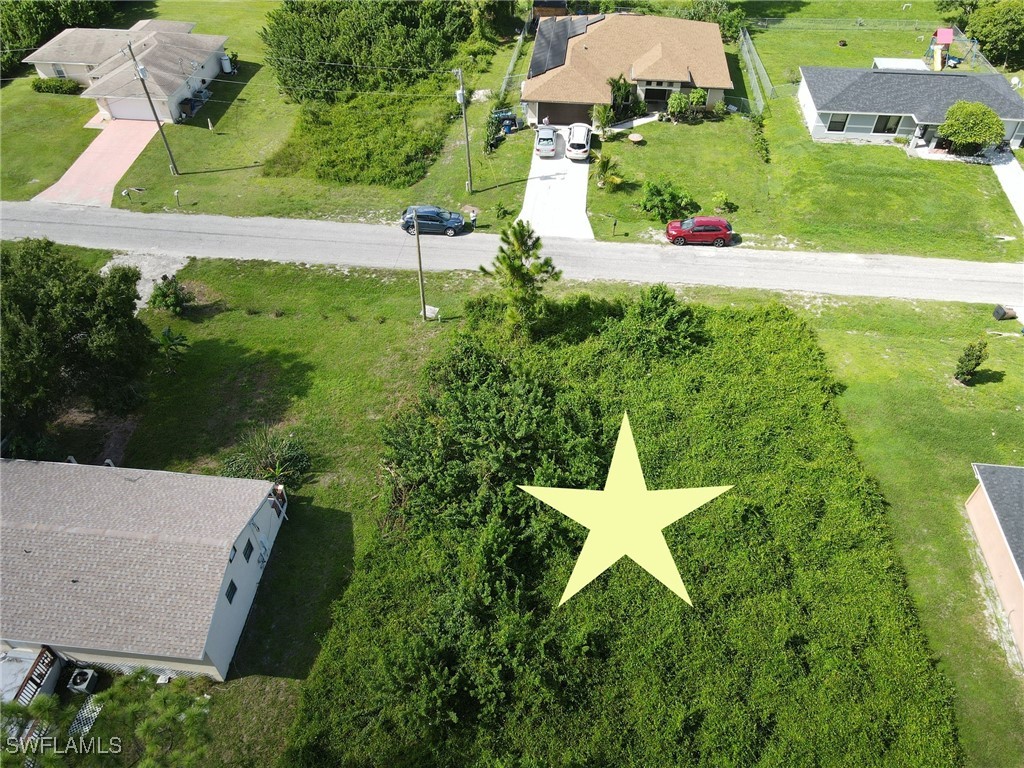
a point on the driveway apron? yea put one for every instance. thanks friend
(93, 177)
(1011, 177)
(555, 202)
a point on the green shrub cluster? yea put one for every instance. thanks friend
(27, 25)
(801, 647)
(265, 453)
(666, 201)
(55, 85)
(760, 140)
(973, 356)
(170, 294)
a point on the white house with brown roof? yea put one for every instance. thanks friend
(996, 512)
(127, 568)
(575, 56)
(179, 66)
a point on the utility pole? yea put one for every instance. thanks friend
(461, 95)
(419, 263)
(142, 78)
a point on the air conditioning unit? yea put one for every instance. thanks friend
(83, 681)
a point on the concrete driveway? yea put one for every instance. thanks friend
(556, 195)
(93, 177)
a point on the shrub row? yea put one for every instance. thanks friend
(55, 85)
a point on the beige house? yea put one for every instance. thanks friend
(127, 568)
(996, 511)
(178, 64)
(575, 56)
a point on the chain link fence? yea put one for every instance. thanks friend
(510, 79)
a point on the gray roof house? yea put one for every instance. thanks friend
(179, 66)
(874, 105)
(996, 512)
(126, 568)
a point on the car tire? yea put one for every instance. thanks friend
(450, 231)
(719, 242)
(411, 230)
(679, 241)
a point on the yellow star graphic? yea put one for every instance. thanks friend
(625, 519)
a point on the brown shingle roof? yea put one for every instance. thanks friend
(122, 560)
(639, 47)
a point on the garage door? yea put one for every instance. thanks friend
(130, 109)
(563, 114)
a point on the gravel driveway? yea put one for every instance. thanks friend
(556, 195)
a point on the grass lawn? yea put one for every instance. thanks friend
(41, 135)
(839, 9)
(254, 358)
(830, 197)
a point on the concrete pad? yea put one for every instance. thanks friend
(92, 179)
(555, 202)
(1011, 177)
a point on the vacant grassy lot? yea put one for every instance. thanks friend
(41, 134)
(840, 9)
(830, 197)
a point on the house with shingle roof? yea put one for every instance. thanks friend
(996, 512)
(876, 105)
(127, 568)
(575, 56)
(179, 66)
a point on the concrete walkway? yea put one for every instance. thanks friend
(1011, 176)
(162, 240)
(555, 202)
(93, 177)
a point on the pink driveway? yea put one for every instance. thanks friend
(94, 175)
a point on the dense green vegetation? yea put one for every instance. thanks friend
(802, 647)
(27, 25)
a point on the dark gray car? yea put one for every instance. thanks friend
(432, 220)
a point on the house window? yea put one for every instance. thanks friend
(837, 123)
(887, 123)
(58, 70)
(231, 557)
(247, 552)
(232, 589)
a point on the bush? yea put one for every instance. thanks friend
(760, 141)
(171, 295)
(264, 453)
(678, 103)
(663, 199)
(720, 110)
(973, 356)
(55, 85)
(501, 210)
(971, 126)
(722, 203)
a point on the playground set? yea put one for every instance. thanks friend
(950, 48)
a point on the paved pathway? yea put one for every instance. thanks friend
(555, 202)
(172, 236)
(92, 179)
(1011, 176)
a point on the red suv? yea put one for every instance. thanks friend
(700, 229)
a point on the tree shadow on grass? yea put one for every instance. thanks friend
(310, 567)
(221, 388)
(575, 318)
(987, 376)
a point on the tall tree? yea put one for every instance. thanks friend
(26, 25)
(521, 272)
(971, 126)
(67, 334)
(999, 28)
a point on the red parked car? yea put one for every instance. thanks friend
(700, 229)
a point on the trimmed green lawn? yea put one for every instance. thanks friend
(839, 9)
(41, 135)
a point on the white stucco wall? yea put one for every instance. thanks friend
(77, 72)
(229, 618)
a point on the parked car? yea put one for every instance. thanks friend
(578, 145)
(432, 220)
(544, 145)
(700, 229)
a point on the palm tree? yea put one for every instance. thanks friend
(602, 115)
(172, 348)
(521, 272)
(605, 170)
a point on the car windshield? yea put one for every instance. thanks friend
(686, 224)
(444, 214)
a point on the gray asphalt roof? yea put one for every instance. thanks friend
(925, 95)
(123, 560)
(1004, 486)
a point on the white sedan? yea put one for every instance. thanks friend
(578, 145)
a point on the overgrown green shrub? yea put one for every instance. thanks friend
(266, 453)
(170, 294)
(801, 647)
(722, 203)
(759, 139)
(678, 104)
(55, 85)
(973, 356)
(666, 201)
(971, 126)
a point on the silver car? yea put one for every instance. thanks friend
(545, 143)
